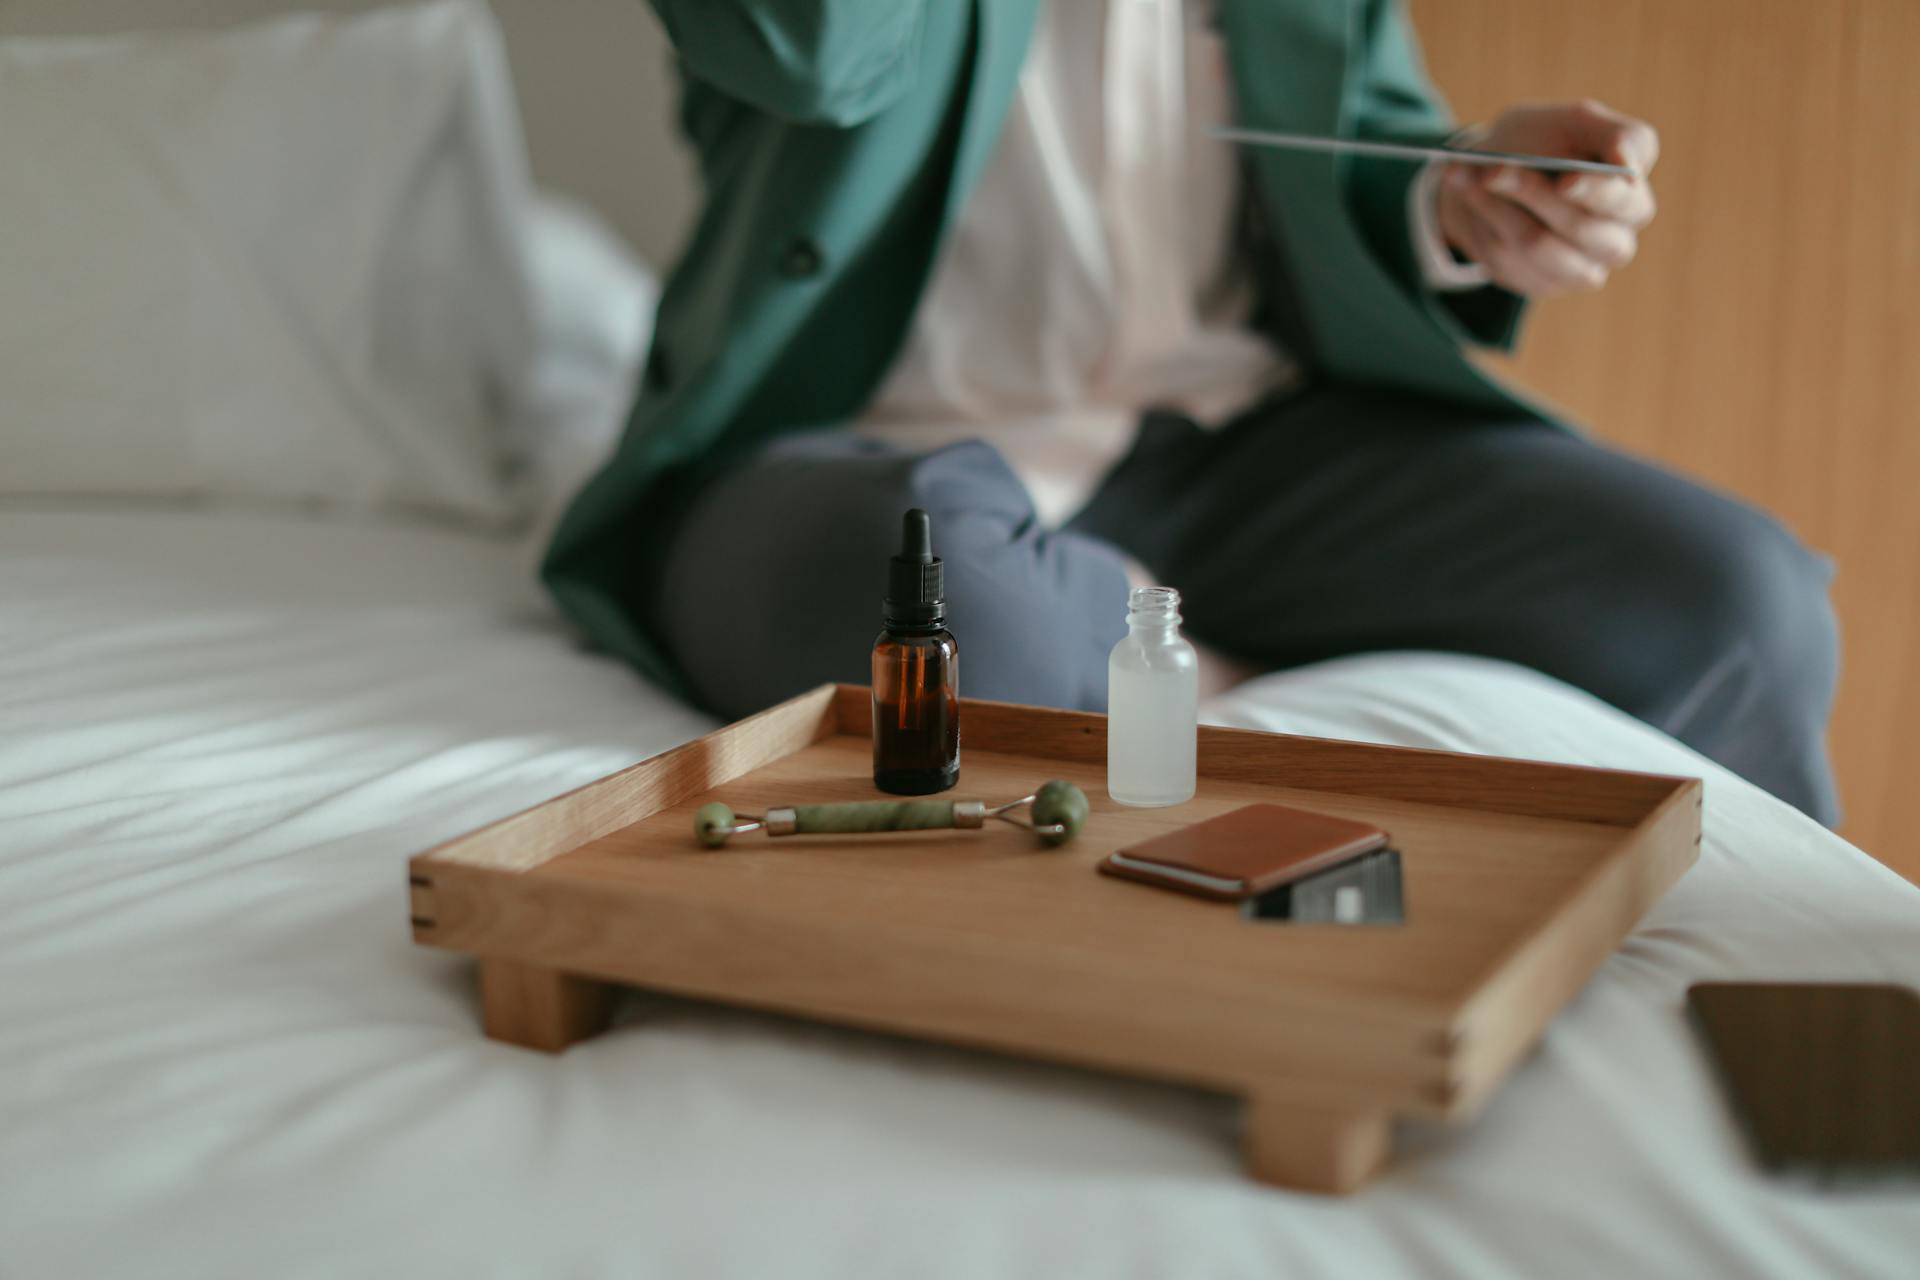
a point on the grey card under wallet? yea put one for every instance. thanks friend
(1365, 890)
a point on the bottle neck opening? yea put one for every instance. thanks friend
(1153, 609)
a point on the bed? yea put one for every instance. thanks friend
(224, 733)
(229, 715)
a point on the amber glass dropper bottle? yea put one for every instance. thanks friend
(916, 673)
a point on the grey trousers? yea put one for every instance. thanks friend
(1335, 521)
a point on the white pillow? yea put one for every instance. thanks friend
(282, 262)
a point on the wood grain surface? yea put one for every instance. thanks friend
(1768, 339)
(1314, 1148)
(1520, 877)
(528, 838)
(540, 1008)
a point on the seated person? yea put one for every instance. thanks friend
(985, 259)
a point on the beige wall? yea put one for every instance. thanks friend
(593, 77)
(1769, 337)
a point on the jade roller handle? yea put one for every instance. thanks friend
(715, 822)
(857, 816)
(1059, 811)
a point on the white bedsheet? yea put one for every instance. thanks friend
(221, 736)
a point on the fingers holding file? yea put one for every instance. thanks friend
(1521, 252)
(1542, 234)
(1608, 241)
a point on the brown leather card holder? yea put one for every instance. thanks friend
(1246, 852)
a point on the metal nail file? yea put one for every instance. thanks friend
(1405, 151)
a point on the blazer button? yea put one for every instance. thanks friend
(801, 260)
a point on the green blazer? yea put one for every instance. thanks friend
(839, 139)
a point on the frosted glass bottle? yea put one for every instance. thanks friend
(1153, 704)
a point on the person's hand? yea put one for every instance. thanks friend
(1542, 234)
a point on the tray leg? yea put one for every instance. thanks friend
(1313, 1148)
(539, 1008)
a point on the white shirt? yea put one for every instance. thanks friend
(1094, 270)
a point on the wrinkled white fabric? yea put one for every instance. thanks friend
(221, 1055)
(1092, 270)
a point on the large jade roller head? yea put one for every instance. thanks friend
(1059, 810)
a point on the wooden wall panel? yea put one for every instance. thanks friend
(1768, 339)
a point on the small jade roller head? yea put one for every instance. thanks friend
(1062, 806)
(713, 824)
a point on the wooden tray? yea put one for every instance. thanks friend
(1520, 879)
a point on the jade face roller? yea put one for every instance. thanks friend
(1059, 811)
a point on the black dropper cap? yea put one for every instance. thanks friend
(916, 580)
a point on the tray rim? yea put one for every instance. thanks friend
(824, 711)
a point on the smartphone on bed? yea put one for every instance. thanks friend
(1824, 1077)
